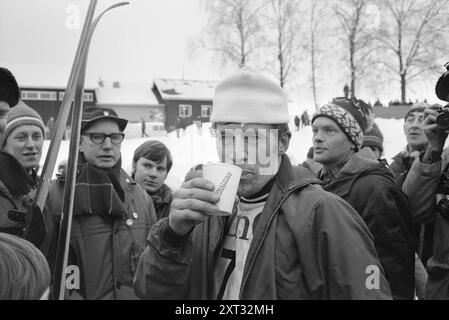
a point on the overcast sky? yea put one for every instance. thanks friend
(145, 40)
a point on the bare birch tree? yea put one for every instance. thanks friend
(413, 35)
(233, 30)
(316, 35)
(358, 39)
(283, 32)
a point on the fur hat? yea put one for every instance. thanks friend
(353, 116)
(248, 97)
(374, 138)
(18, 116)
(9, 89)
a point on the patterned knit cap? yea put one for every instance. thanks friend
(353, 116)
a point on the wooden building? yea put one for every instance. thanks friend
(47, 100)
(185, 101)
(131, 100)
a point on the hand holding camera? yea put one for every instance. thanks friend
(434, 126)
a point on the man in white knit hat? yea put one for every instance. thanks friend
(283, 241)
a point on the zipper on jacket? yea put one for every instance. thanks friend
(211, 264)
(288, 193)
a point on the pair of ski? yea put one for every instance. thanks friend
(73, 96)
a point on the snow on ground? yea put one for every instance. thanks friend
(193, 148)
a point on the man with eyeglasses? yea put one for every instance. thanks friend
(112, 214)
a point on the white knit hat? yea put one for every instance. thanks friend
(249, 97)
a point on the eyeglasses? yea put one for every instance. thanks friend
(99, 138)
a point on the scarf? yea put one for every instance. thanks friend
(99, 191)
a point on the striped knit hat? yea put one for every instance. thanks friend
(353, 116)
(21, 115)
(374, 138)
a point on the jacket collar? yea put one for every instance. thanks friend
(288, 178)
(359, 162)
(4, 190)
(162, 196)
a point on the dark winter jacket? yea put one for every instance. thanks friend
(368, 186)
(421, 186)
(7, 203)
(107, 249)
(301, 249)
(402, 162)
(162, 201)
(16, 192)
(400, 167)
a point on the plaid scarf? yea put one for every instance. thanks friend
(99, 191)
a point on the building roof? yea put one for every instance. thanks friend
(48, 87)
(172, 89)
(125, 93)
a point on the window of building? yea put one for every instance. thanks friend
(185, 110)
(29, 95)
(39, 95)
(47, 96)
(88, 96)
(205, 111)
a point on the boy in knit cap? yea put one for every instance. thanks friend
(15, 181)
(283, 241)
(24, 136)
(374, 140)
(367, 185)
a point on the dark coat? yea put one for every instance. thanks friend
(107, 249)
(421, 186)
(368, 186)
(301, 249)
(400, 167)
(162, 201)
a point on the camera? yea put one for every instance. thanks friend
(443, 189)
(442, 86)
(443, 117)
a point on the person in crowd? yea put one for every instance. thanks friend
(374, 140)
(402, 162)
(426, 186)
(50, 126)
(112, 214)
(143, 128)
(367, 185)
(284, 239)
(152, 162)
(297, 123)
(305, 120)
(24, 137)
(24, 271)
(17, 161)
(416, 142)
(311, 164)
